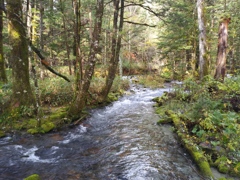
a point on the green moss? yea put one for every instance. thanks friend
(236, 169)
(33, 130)
(223, 168)
(15, 35)
(30, 123)
(201, 161)
(2, 134)
(192, 148)
(164, 121)
(48, 126)
(112, 97)
(33, 177)
(58, 115)
(222, 178)
(222, 164)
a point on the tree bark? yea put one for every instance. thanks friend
(77, 48)
(80, 102)
(116, 46)
(203, 62)
(222, 48)
(22, 93)
(3, 76)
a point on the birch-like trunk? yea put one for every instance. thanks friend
(203, 63)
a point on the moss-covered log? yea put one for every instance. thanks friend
(192, 148)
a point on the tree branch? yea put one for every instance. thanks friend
(142, 24)
(146, 8)
(45, 63)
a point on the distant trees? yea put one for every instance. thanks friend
(178, 38)
(188, 40)
(83, 34)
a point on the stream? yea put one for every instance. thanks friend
(118, 142)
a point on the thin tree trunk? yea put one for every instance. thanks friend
(66, 37)
(77, 49)
(79, 104)
(116, 46)
(203, 63)
(22, 93)
(41, 9)
(3, 76)
(222, 47)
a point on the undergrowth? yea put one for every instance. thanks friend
(210, 111)
(54, 95)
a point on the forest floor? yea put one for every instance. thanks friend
(206, 118)
(55, 96)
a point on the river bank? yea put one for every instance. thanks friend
(119, 141)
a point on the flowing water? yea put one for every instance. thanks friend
(118, 142)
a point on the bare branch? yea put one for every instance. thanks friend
(45, 63)
(149, 9)
(141, 24)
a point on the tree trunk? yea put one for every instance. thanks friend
(222, 47)
(22, 92)
(79, 104)
(3, 76)
(66, 37)
(41, 9)
(77, 49)
(203, 62)
(116, 46)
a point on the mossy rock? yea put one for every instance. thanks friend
(112, 97)
(58, 115)
(223, 168)
(2, 134)
(32, 123)
(32, 177)
(222, 164)
(48, 126)
(33, 131)
(164, 121)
